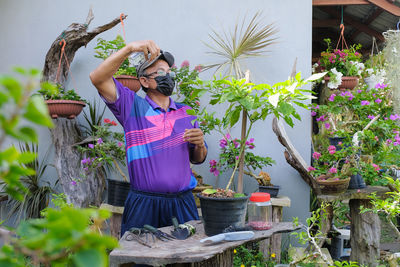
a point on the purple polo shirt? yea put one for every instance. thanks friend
(157, 156)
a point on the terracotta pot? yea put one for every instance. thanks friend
(64, 108)
(131, 82)
(348, 82)
(333, 186)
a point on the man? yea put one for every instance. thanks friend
(160, 138)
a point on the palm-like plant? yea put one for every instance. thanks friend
(94, 118)
(37, 193)
(245, 41)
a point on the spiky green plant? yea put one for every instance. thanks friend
(245, 41)
(38, 191)
(93, 118)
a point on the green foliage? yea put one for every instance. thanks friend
(38, 191)
(61, 93)
(64, 237)
(16, 104)
(346, 264)
(94, 118)
(104, 49)
(249, 258)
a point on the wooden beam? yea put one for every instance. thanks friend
(339, 2)
(368, 21)
(389, 7)
(352, 21)
(324, 23)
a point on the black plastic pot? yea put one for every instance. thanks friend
(273, 190)
(219, 213)
(117, 192)
(357, 182)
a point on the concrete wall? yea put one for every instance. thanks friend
(29, 27)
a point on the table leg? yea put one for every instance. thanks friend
(115, 225)
(276, 239)
(365, 233)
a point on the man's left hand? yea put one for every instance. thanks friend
(194, 136)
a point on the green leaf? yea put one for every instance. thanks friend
(239, 195)
(37, 112)
(209, 191)
(191, 112)
(26, 157)
(235, 116)
(88, 258)
(285, 108)
(13, 86)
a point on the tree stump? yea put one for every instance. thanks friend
(66, 132)
(365, 233)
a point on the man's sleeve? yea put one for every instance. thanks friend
(191, 147)
(121, 108)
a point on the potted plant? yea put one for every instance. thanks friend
(255, 103)
(62, 102)
(229, 152)
(344, 66)
(106, 149)
(126, 73)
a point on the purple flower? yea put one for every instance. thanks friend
(215, 172)
(394, 117)
(359, 91)
(91, 146)
(213, 163)
(313, 113)
(396, 143)
(371, 117)
(120, 144)
(185, 63)
(332, 97)
(364, 103)
(343, 94)
(235, 143)
(378, 100)
(322, 118)
(333, 170)
(237, 157)
(223, 143)
(388, 141)
(85, 161)
(99, 141)
(327, 125)
(380, 86)
(73, 182)
(228, 136)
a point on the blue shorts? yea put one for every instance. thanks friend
(157, 209)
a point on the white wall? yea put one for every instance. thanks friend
(27, 28)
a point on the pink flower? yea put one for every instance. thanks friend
(213, 163)
(333, 170)
(99, 141)
(364, 103)
(223, 143)
(228, 136)
(322, 118)
(394, 117)
(378, 100)
(332, 97)
(237, 157)
(198, 68)
(381, 86)
(358, 190)
(185, 63)
(120, 144)
(235, 143)
(327, 125)
(376, 167)
(376, 138)
(197, 103)
(332, 152)
(371, 117)
(388, 141)
(331, 148)
(340, 143)
(316, 155)
(107, 120)
(313, 113)
(73, 182)
(311, 169)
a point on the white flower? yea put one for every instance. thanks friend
(370, 71)
(336, 79)
(394, 50)
(314, 67)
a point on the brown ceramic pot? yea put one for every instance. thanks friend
(64, 108)
(131, 82)
(348, 82)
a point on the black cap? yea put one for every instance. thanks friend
(168, 57)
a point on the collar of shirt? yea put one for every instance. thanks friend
(154, 105)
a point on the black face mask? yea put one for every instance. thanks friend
(165, 84)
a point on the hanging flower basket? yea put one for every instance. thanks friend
(332, 186)
(348, 82)
(131, 82)
(65, 108)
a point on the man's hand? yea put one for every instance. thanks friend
(194, 136)
(146, 46)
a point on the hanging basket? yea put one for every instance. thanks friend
(348, 82)
(330, 186)
(65, 108)
(131, 82)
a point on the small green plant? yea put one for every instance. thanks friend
(61, 93)
(244, 257)
(346, 264)
(104, 49)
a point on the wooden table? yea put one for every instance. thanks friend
(365, 228)
(189, 252)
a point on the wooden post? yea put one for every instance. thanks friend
(365, 233)
(243, 137)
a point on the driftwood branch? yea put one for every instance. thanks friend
(293, 157)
